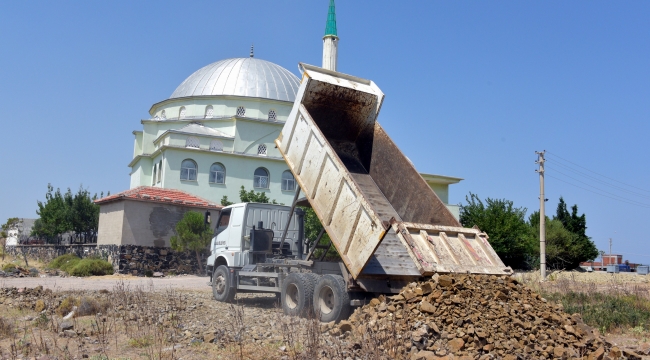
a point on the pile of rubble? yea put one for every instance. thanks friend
(476, 317)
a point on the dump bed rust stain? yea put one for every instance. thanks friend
(381, 215)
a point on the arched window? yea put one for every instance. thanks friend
(159, 171)
(209, 112)
(181, 113)
(192, 142)
(288, 181)
(188, 170)
(261, 178)
(216, 145)
(261, 150)
(241, 111)
(217, 173)
(163, 115)
(272, 115)
(154, 175)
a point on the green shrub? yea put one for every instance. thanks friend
(9, 267)
(64, 262)
(75, 266)
(90, 267)
(66, 305)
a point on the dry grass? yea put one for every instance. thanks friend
(614, 303)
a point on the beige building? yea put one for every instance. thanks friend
(146, 216)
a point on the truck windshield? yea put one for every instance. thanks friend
(222, 224)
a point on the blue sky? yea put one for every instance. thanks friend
(472, 90)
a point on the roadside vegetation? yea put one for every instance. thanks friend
(612, 304)
(516, 239)
(76, 266)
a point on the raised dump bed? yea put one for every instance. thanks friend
(380, 214)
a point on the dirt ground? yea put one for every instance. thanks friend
(57, 283)
(176, 317)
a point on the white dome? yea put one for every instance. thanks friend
(241, 77)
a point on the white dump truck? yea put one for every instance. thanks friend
(386, 223)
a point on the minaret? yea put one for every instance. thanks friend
(330, 40)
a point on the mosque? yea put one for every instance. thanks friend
(213, 135)
(216, 131)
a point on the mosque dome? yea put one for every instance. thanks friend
(241, 77)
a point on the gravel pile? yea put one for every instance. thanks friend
(476, 317)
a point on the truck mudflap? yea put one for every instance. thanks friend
(447, 249)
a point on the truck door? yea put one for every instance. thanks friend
(235, 234)
(222, 231)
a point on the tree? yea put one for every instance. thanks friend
(192, 234)
(225, 202)
(567, 245)
(53, 214)
(577, 224)
(252, 196)
(61, 213)
(505, 225)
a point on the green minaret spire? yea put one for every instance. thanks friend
(330, 27)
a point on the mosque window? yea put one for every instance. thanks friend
(153, 178)
(163, 115)
(241, 111)
(216, 145)
(209, 112)
(192, 142)
(181, 113)
(261, 178)
(272, 115)
(159, 171)
(217, 173)
(288, 181)
(188, 170)
(261, 150)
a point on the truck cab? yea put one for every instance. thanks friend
(230, 245)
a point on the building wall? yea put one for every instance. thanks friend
(111, 218)
(239, 172)
(141, 223)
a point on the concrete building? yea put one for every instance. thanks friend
(214, 135)
(216, 131)
(146, 216)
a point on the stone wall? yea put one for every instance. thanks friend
(136, 260)
(126, 259)
(47, 253)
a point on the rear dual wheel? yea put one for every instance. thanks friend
(297, 293)
(331, 300)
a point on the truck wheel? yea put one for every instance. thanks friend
(297, 292)
(331, 299)
(221, 287)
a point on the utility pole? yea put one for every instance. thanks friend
(542, 215)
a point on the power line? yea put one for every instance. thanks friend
(599, 189)
(605, 176)
(601, 181)
(597, 193)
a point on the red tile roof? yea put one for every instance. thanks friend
(160, 195)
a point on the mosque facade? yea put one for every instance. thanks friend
(216, 132)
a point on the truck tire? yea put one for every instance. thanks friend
(331, 299)
(221, 286)
(297, 292)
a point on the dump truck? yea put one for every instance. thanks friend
(386, 223)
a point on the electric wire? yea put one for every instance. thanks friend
(597, 193)
(566, 167)
(605, 176)
(597, 188)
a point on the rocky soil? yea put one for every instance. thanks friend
(476, 317)
(448, 317)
